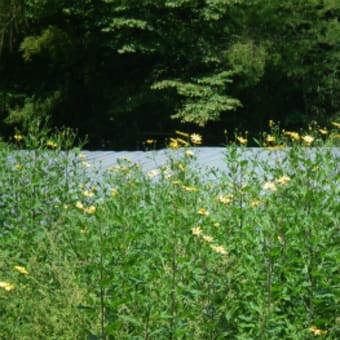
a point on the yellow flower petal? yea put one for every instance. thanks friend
(225, 199)
(270, 139)
(180, 133)
(283, 180)
(197, 231)
(153, 173)
(88, 193)
(91, 210)
(196, 138)
(269, 186)
(337, 125)
(203, 212)
(219, 249)
(6, 285)
(292, 134)
(208, 238)
(86, 164)
(242, 140)
(18, 137)
(189, 153)
(308, 139)
(174, 143)
(51, 144)
(191, 189)
(21, 270)
(317, 331)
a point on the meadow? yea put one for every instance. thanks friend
(172, 253)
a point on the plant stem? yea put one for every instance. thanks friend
(102, 293)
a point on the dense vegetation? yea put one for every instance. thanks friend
(119, 70)
(175, 253)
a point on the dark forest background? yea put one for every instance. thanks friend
(122, 71)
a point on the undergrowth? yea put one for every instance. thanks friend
(176, 253)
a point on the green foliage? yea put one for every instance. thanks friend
(204, 98)
(305, 35)
(33, 109)
(53, 42)
(33, 186)
(120, 64)
(248, 60)
(194, 47)
(11, 20)
(251, 252)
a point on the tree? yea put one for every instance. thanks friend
(304, 54)
(106, 66)
(186, 42)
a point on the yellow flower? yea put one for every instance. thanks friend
(219, 249)
(317, 331)
(18, 137)
(337, 125)
(323, 131)
(51, 144)
(308, 139)
(6, 285)
(191, 189)
(224, 198)
(82, 156)
(66, 206)
(283, 180)
(182, 141)
(167, 174)
(150, 141)
(88, 193)
(334, 136)
(196, 138)
(270, 139)
(153, 173)
(255, 203)
(270, 123)
(276, 147)
(181, 167)
(293, 135)
(189, 153)
(18, 166)
(80, 205)
(216, 224)
(90, 210)
(21, 269)
(203, 212)
(197, 231)
(86, 164)
(180, 133)
(242, 140)
(208, 238)
(174, 143)
(113, 191)
(269, 186)
(83, 231)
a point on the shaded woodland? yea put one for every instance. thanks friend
(122, 71)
